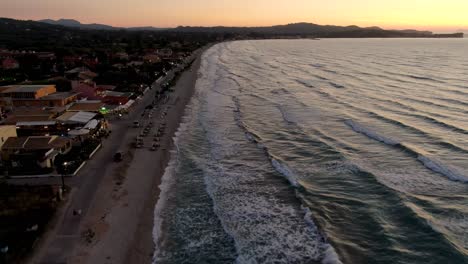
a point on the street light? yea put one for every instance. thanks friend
(4, 251)
(65, 164)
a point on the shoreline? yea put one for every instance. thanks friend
(117, 199)
(143, 242)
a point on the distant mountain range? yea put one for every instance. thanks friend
(305, 29)
(77, 24)
(289, 30)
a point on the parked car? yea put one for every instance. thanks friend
(118, 156)
(155, 146)
(136, 124)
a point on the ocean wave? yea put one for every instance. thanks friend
(370, 133)
(276, 162)
(320, 77)
(258, 223)
(329, 253)
(283, 169)
(336, 85)
(417, 130)
(421, 77)
(452, 146)
(317, 65)
(167, 183)
(396, 122)
(286, 116)
(279, 91)
(457, 92)
(305, 83)
(431, 163)
(413, 112)
(434, 164)
(449, 171)
(454, 101)
(330, 71)
(443, 124)
(447, 107)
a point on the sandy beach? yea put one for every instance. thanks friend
(122, 216)
(117, 220)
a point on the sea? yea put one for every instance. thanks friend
(321, 151)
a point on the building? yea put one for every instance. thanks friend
(87, 75)
(45, 55)
(80, 117)
(35, 121)
(34, 153)
(38, 128)
(10, 64)
(87, 106)
(165, 53)
(29, 114)
(6, 132)
(115, 98)
(121, 56)
(135, 63)
(151, 58)
(71, 61)
(82, 124)
(27, 91)
(55, 100)
(85, 90)
(106, 87)
(34, 95)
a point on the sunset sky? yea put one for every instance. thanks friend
(436, 15)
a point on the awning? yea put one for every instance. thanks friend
(125, 106)
(77, 117)
(91, 124)
(78, 132)
(36, 123)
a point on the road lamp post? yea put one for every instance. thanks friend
(4, 251)
(64, 168)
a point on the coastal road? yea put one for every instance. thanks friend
(58, 246)
(85, 185)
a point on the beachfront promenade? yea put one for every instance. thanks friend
(112, 196)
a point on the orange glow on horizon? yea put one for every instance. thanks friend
(434, 15)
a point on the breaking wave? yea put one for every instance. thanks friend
(370, 133)
(430, 163)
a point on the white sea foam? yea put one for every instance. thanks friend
(370, 133)
(451, 172)
(264, 227)
(286, 116)
(330, 255)
(431, 163)
(167, 182)
(284, 170)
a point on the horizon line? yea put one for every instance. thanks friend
(418, 28)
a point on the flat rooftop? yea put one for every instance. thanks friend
(58, 96)
(89, 106)
(24, 88)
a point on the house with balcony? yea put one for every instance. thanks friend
(33, 155)
(34, 95)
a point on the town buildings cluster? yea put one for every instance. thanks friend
(55, 108)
